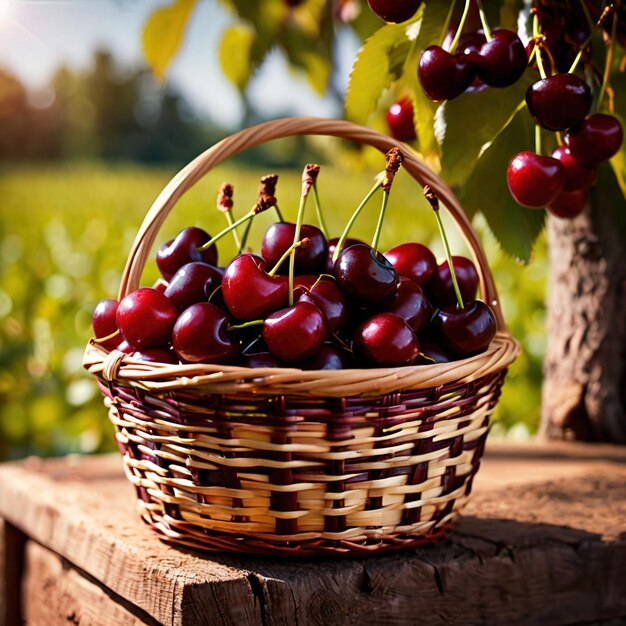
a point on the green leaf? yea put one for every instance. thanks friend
(474, 119)
(163, 33)
(486, 191)
(434, 24)
(235, 50)
(374, 69)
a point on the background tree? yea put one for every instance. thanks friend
(471, 139)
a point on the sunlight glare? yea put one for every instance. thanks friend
(6, 8)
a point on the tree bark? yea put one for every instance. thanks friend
(584, 392)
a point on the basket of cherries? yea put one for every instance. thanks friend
(318, 396)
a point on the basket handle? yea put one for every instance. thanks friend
(286, 127)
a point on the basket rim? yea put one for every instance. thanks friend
(119, 367)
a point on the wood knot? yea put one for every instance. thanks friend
(326, 608)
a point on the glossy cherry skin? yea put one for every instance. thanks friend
(156, 355)
(577, 176)
(201, 335)
(160, 285)
(559, 102)
(399, 119)
(295, 333)
(568, 204)
(279, 237)
(328, 357)
(183, 249)
(444, 76)
(535, 180)
(466, 331)
(325, 295)
(332, 245)
(385, 340)
(364, 275)
(193, 282)
(146, 318)
(395, 11)
(596, 140)
(249, 292)
(441, 287)
(414, 261)
(501, 61)
(104, 322)
(410, 304)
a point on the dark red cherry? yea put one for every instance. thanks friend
(201, 335)
(249, 292)
(577, 176)
(279, 237)
(414, 261)
(535, 180)
(104, 323)
(156, 355)
(569, 204)
(559, 102)
(304, 281)
(328, 357)
(597, 139)
(331, 302)
(442, 288)
(332, 245)
(410, 304)
(400, 120)
(365, 275)
(295, 333)
(395, 11)
(260, 360)
(172, 255)
(501, 61)
(146, 318)
(193, 282)
(466, 331)
(444, 76)
(433, 353)
(385, 340)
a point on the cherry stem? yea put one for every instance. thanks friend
(244, 239)
(279, 215)
(381, 218)
(289, 251)
(318, 209)
(239, 222)
(246, 324)
(350, 224)
(218, 288)
(432, 198)
(537, 139)
(225, 205)
(460, 27)
(111, 336)
(592, 28)
(483, 19)
(608, 62)
(539, 38)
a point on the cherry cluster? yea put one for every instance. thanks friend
(305, 301)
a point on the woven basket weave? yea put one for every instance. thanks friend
(269, 461)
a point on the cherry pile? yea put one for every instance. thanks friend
(305, 301)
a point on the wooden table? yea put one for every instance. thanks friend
(542, 542)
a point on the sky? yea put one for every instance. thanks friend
(36, 36)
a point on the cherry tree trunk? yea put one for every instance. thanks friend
(584, 392)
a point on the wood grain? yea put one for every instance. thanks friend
(56, 594)
(543, 541)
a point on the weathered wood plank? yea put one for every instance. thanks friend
(13, 543)
(543, 542)
(55, 594)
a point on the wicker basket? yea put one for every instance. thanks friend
(296, 462)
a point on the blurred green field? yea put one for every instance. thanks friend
(64, 234)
